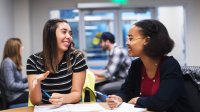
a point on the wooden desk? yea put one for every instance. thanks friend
(21, 109)
(99, 79)
(31, 109)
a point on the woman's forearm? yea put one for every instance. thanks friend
(35, 92)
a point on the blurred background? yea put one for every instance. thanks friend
(88, 18)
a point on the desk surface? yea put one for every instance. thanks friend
(99, 79)
(31, 109)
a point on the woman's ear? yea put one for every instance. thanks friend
(147, 39)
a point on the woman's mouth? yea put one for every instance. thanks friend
(66, 43)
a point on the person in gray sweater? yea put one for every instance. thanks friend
(10, 72)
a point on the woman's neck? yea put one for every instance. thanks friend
(150, 65)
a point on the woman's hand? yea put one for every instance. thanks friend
(114, 101)
(35, 93)
(57, 98)
(133, 100)
(39, 78)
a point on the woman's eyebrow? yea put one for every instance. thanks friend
(64, 29)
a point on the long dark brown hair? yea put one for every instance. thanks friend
(50, 45)
(12, 51)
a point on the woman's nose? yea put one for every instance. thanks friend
(68, 35)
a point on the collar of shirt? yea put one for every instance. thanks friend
(112, 50)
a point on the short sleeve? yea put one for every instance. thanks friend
(31, 66)
(80, 63)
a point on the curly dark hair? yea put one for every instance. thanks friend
(160, 42)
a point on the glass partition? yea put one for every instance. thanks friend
(97, 22)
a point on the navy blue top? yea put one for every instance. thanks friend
(171, 95)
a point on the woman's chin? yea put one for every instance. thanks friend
(131, 54)
(64, 49)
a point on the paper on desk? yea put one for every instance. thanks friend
(125, 107)
(85, 107)
(51, 108)
(69, 108)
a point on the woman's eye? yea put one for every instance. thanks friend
(70, 33)
(129, 39)
(64, 32)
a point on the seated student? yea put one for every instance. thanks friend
(11, 72)
(57, 74)
(154, 80)
(116, 69)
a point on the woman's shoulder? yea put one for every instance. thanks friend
(76, 53)
(35, 59)
(170, 65)
(170, 61)
(7, 61)
(136, 61)
(136, 64)
(36, 56)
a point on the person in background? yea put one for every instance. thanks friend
(154, 80)
(56, 75)
(117, 68)
(14, 82)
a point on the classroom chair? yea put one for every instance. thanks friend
(3, 102)
(2, 97)
(192, 85)
(88, 93)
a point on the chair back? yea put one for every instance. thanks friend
(3, 102)
(29, 102)
(88, 93)
(192, 85)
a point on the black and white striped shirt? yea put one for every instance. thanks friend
(61, 81)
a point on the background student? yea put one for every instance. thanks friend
(116, 69)
(11, 76)
(57, 74)
(154, 80)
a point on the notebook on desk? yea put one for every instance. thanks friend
(89, 107)
(125, 107)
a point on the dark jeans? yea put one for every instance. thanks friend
(22, 99)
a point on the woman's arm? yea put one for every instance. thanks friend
(74, 96)
(34, 87)
(114, 101)
(130, 88)
(78, 81)
(9, 71)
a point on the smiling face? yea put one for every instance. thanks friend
(135, 42)
(64, 36)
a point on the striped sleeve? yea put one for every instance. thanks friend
(80, 63)
(31, 67)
